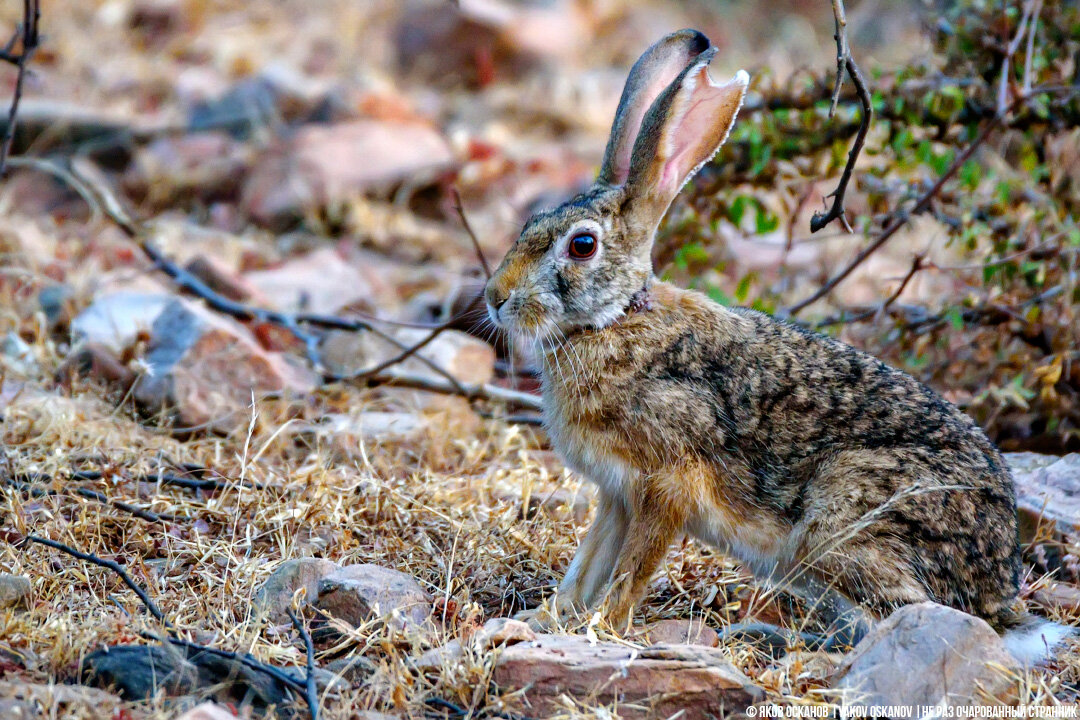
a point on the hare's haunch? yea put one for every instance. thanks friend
(821, 468)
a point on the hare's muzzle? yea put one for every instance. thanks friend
(495, 299)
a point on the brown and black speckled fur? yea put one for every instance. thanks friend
(820, 467)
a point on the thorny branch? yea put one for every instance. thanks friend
(28, 37)
(901, 218)
(844, 61)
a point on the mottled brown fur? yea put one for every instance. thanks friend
(820, 467)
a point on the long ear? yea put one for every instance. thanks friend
(654, 71)
(682, 130)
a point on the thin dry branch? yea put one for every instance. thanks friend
(174, 638)
(149, 604)
(311, 693)
(901, 218)
(917, 264)
(486, 391)
(844, 62)
(27, 35)
(472, 235)
(21, 484)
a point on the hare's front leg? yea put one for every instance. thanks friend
(655, 520)
(590, 570)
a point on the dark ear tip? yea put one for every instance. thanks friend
(696, 41)
(700, 43)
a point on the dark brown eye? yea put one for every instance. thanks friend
(582, 246)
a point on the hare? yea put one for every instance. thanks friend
(819, 467)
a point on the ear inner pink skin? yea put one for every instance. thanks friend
(700, 124)
(663, 77)
(651, 75)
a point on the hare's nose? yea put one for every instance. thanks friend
(495, 298)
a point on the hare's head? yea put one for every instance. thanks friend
(581, 264)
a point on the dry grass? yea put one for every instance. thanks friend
(450, 508)
(467, 507)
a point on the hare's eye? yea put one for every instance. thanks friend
(582, 246)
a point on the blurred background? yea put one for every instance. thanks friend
(302, 146)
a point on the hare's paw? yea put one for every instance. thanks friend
(539, 619)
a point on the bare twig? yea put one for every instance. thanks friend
(843, 51)
(29, 37)
(1010, 50)
(115, 567)
(900, 219)
(394, 376)
(472, 235)
(917, 264)
(844, 62)
(175, 639)
(141, 513)
(311, 694)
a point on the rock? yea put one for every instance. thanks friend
(208, 711)
(15, 591)
(114, 321)
(1047, 490)
(346, 434)
(480, 41)
(468, 359)
(1059, 596)
(91, 360)
(497, 632)
(327, 164)
(926, 654)
(17, 356)
(353, 670)
(659, 681)
(275, 595)
(208, 166)
(137, 672)
(359, 593)
(320, 282)
(205, 367)
(675, 632)
(140, 671)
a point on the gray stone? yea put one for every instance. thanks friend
(926, 654)
(115, 320)
(360, 593)
(275, 595)
(15, 591)
(1047, 488)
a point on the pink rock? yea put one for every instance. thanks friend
(320, 282)
(204, 368)
(206, 165)
(331, 163)
(689, 632)
(659, 681)
(208, 711)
